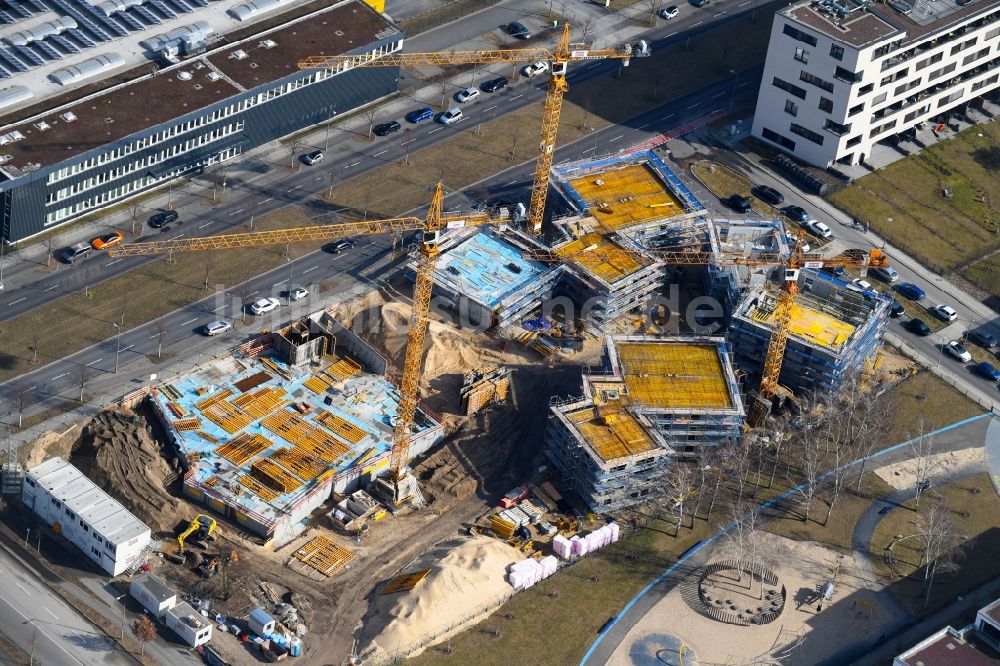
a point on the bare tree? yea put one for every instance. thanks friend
(35, 336)
(941, 541)
(293, 153)
(134, 209)
(922, 449)
(586, 26)
(680, 482)
(706, 458)
(144, 631)
(371, 120)
(21, 396)
(443, 89)
(810, 456)
(515, 134)
(160, 326)
(83, 375)
(743, 533)
(243, 294)
(208, 260)
(50, 249)
(654, 6)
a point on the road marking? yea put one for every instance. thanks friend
(278, 283)
(127, 348)
(309, 269)
(348, 167)
(266, 200)
(589, 149)
(17, 301)
(297, 187)
(41, 631)
(176, 237)
(616, 138)
(46, 608)
(219, 308)
(206, 224)
(381, 152)
(23, 589)
(698, 23)
(672, 34)
(719, 14)
(253, 292)
(436, 130)
(238, 211)
(154, 335)
(668, 117)
(641, 126)
(93, 362)
(406, 142)
(50, 288)
(188, 321)
(744, 4)
(489, 109)
(318, 178)
(516, 97)
(720, 94)
(60, 376)
(745, 83)
(112, 263)
(695, 105)
(511, 182)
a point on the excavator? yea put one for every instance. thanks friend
(201, 529)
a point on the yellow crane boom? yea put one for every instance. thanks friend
(558, 59)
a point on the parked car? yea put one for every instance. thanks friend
(493, 85)
(536, 68)
(739, 203)
(107, 240)
(944, 313)
(670, 12)
(896, 309)
(420, 115)
(859, 285)
(467, 95)
(163, 219)
(956, 350)
(217, 327)
(981, 338)
(450, 116)
(264, 305)
(835, 271)
(919, 326)
(887, 274)
(518, 30)
(340, 246)
(700, 3)
(910, 291)
(387, 128)
(987, 370)
(818, 228)
(298, 293)
(76, 252)
(315, 157)
(768, 195)
(796, 214)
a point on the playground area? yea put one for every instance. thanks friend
(804, 604)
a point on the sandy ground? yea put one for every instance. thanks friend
(903, 474)
(800, 635)
(466, 575)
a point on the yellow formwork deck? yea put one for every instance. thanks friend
(614, 435)
(674, 375)
(602, 257)
(627, 196)
(812, 326)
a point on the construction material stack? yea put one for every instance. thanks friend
(483, 386)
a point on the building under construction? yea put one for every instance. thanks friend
(833, 331)
(655, 399)
(269, 433)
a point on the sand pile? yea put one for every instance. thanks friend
(50, 444)
(904, 473)
(117, 452)
(466, 575)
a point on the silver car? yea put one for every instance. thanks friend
(217, 327)
(264, 305)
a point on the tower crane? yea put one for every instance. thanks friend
(403, 487)
(791, 265)
(559, 59)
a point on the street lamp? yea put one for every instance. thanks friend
(291, 265)
(736, 77)
(119, 598)
(118, 343)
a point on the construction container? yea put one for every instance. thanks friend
(260, 622)
(154, 596)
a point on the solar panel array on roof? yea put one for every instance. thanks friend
(127, 21)
(145, 15)
(86, 27)
(164, 11)
(8, 57)
(37, 5)
(46, 50)
(27, 55)
(63, 44)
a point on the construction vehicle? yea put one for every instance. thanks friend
(201, 529)
(400, 487)
(210, 565)
(558, 59)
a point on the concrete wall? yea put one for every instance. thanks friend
(358, 348)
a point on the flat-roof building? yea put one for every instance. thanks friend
(114, 125)
(975, 645)
(93, 521)
(841, 75)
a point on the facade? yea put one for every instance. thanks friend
(154, 596)
(192, 627)
(842, 75)
(69, 157)
(975, 645)
(833, 332)
(96, 523)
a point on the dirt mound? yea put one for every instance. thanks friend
(117, 452)
(50, 444)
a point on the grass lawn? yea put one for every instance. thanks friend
(954, 234)
(974, 505)
(924, 396)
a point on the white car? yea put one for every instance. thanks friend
(817, 228)
(451, 116)
(944, 313)
(264, 306)
(536, 68)
(217, 327)
(957, 351)
(857, 284)
(670, 12)
(467, 95)
(298, 293)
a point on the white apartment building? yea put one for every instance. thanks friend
(841, 75)
(96, 523)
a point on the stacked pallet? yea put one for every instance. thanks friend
(341, 426)
(184, 425)
(304, 435)
(323, 556)
(241, 449)
(261, 402)
(298, 462)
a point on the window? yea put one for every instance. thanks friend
(981, 53)
(815, 80)
(906, 87)
(847, 75)
(936, 58)
(836, 52)
(879, 99)
(791, 107)
(964, 45)
(836, 128)
(947, 69)
(774, 137)
(990, 34)
(950, 98)
(853, 141)
(801, 54)
(886, 80)
(825, 104)
(799, 35)
(807, 133)
(855, 110)
(30, 482)
(865, 89)
(985, 82)
(789, 88)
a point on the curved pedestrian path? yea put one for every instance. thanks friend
(959, 435)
